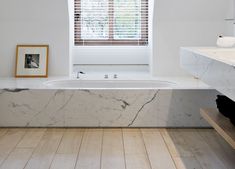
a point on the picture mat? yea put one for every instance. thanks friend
(41, 71)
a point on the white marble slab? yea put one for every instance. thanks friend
(104, 108)
(224, 55)
(219, 73)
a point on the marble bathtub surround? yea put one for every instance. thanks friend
(104, 108)
(28, 102)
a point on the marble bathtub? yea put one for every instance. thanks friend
(157, 107)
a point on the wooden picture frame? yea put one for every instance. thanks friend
(32, 61)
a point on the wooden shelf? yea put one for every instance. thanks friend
(221, 124)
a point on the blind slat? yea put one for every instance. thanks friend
(111, 22)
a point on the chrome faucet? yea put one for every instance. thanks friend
(78, 74)
(106, 76)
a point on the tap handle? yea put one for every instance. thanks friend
(106, 76)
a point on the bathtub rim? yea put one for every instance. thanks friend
(109, 81)
(183, 82)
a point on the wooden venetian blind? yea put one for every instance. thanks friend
(111, 22)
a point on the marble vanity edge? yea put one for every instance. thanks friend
(196, 50)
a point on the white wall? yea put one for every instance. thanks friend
(176, 23)
(34, 22)
(186, 23)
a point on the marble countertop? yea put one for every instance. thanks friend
(214, 66)
(224, 55)
(39, 83)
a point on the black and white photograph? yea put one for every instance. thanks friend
(32, 61)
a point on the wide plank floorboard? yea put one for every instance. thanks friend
(158, 153)
(9, 141)
(90, 152)
(179, 150)
(3, 131)
(114, 148)
(17, 159)
(32, 138)
(135, 151)
(222, 150)
(201, 150)
(46, 149)
(66, 155)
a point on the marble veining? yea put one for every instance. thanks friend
(123, 105)
(215, 73)
(142, 107)
(105, 108)
(14, 90)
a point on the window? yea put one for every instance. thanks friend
(110, 22)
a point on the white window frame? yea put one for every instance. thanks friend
(120, 55)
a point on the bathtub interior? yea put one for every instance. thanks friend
(109, 84)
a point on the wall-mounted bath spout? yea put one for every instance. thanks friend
(78, 74)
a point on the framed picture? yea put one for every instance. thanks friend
(32, 61)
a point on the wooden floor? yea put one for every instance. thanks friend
(114, 149)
